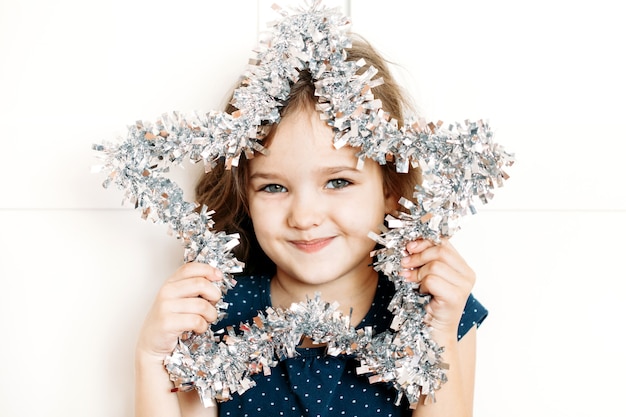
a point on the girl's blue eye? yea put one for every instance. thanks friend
(338, 183)
(274, 188)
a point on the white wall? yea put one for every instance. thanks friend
(78, 271)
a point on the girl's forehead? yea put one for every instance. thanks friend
(305, 118)
(303, 139)
(309, 139)
(309, 155)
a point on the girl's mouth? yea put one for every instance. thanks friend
(311, 246)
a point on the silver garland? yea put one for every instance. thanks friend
(459, 163)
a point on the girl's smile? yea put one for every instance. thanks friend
(311, 246)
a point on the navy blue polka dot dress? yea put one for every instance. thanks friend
(314, 384)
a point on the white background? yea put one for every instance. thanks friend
(78, 270)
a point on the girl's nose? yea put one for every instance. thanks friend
(306, 211)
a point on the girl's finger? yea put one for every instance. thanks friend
(417, 246)
(195, 306)
(178, 323)
(444, 271)
(196, 269)
(443, 291)
(444, 252)
(192, 287)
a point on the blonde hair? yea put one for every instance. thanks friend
(225, 191)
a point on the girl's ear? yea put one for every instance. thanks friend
(391, 203)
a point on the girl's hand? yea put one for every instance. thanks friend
(186, 301)
(445, 275)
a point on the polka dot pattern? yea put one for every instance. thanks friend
(314, 384)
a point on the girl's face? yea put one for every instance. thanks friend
(311, 208)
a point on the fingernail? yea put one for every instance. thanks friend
(405, 261)
(411, 246)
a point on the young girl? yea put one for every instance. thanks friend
(304, 211)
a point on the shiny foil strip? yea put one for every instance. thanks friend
(460, 164)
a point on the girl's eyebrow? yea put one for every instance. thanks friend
(331, 170)
(337, 169)
(264, 175)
